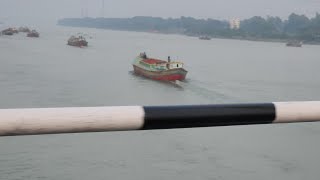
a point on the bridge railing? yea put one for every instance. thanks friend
(124, 118)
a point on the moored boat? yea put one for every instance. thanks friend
(159, 69)
(9, 31)
(33, 33)
(6, 32)
(77, 41)
(294, 44)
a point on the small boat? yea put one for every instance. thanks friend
(33, 33)
(294, 44)
(205, 38)
(9, 31)
(159, 69)
(77, 41)
(24, 29)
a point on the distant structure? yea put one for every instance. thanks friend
(234, 23)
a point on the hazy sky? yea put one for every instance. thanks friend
(51, 10)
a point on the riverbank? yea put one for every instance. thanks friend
(266, 40)
(197, 36)
(271, 29)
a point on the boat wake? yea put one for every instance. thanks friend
(205, 90)
(194, 86)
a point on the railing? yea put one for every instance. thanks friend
(122, 118)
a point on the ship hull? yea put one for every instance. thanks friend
(78, 43)
(294, 44)
(166, 75)
(8, 33)
(290, 45)
(33, 35)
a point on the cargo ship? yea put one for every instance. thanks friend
(159, 69)
(77, 41)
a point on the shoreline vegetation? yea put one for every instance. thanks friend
(270, 29)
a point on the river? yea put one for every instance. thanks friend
(45, 72)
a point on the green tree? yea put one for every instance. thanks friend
(296, 23)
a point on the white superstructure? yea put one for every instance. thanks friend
(234, 23)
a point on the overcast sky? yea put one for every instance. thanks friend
(51, 10)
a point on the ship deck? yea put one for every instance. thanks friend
(153, 61)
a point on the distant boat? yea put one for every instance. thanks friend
(205, 38)
(294, 44)
(77, 41)
(33, 33)
(159, 69)
(9, 31)
(6, 32)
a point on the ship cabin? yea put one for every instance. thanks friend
(160, 65)
(175, 65)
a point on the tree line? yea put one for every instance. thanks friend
(297, 27)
